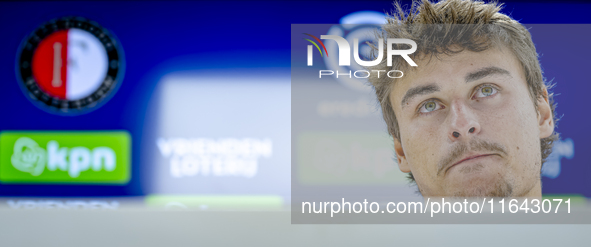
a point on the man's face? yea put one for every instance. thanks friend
(468, 126)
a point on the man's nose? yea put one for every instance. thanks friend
(464, 123)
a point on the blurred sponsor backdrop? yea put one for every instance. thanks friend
(201, 119)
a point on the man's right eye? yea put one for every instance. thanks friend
(430, 106)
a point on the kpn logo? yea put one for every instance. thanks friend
(65, 157)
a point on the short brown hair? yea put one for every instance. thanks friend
(449, 27)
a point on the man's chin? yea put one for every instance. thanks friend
(483, 183)
(480, 189)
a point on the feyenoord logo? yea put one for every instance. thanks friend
(70, 65)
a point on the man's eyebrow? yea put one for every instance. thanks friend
(484, 72)
(418, 90)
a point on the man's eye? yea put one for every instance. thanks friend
(485, 91)
(429, 107)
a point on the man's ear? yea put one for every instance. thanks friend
(545, 118)
(402, 163)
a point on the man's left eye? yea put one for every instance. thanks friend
(485, 91)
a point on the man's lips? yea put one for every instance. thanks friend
(471, 157)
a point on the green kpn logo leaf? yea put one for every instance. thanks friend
(28, 156)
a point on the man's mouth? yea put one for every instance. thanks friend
(471, 157)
